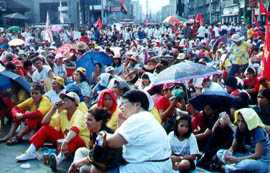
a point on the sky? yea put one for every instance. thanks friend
(154, 5)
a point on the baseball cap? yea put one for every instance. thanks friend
(71, 95)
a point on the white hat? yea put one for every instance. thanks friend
(71, 95)
(109, 69)
(236, 38)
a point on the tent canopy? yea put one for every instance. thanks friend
(16, 16)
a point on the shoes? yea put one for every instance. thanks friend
(26, 156)
(53, 162)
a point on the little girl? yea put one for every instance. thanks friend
(184, 145)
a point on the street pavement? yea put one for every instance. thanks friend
(8, 163)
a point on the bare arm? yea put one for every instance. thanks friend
(204, 135)
(165, 113)
(115, 141)
(47, 118)
(257, 154)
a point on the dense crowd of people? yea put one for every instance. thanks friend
(116, 118)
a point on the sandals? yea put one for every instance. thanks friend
(12, 141)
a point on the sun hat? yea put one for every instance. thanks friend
(59, 80)
(236, 38)
(71, 95)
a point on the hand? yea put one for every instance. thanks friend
(64, 147)
(101, 139)
(58, 105)
(74, 166)
(231, 159)
(19, 116)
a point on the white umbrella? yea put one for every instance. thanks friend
(16, 42)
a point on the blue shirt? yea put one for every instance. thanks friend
(258, 135)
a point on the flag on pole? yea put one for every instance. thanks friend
(99, 24)
(263, 10)
(199, 18)
(47, 25)
(48, 32)
(266, 51)
(123, 7)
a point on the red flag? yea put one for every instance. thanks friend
(123, 6)
(266, 52)
(263, 10)
(199, 18)
(99, 24)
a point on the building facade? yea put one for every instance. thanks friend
(225, 11)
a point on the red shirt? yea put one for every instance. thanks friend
(198, 121)
(252, 83)
(162, 103)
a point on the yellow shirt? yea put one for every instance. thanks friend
(43, 106)
(240, 54)
(113, 121)
(60, 122)
(83, 107)
(156, 114)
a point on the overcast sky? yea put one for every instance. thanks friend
(154, 5)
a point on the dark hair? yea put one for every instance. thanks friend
(178, 120)
(38, 87)
(137, 96)
(37, 58)
(100, 114)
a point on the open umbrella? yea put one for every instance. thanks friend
(172, 20)
(56, 28)
(217, 99)
(16, 42)
(89, 59)
(183, 71)
(14, 29)
(16, 16)
(7, 78)
(64, 49)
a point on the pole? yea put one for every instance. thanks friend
(210, 12)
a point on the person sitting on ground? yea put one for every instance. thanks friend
(107, 99)
(250, 150)
(96, 122)
(57, 88)
(251, 83)
(151, 153)
(80, 79)
(263, 107)
(30, 112)
(184, 145)
(64, 121)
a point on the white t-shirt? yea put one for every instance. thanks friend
(42, 75)
(146, 140)
(187, 146)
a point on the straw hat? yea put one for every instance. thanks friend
(81, 46)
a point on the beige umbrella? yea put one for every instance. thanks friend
(16, 42)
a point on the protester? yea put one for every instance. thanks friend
(96, 122)
(249, 132)
(184, 145)
(64, 121)
(140, 124)
(31, 111)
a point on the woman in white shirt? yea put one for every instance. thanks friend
(145, 143)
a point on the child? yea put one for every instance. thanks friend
(183, 144)
(252, 141)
